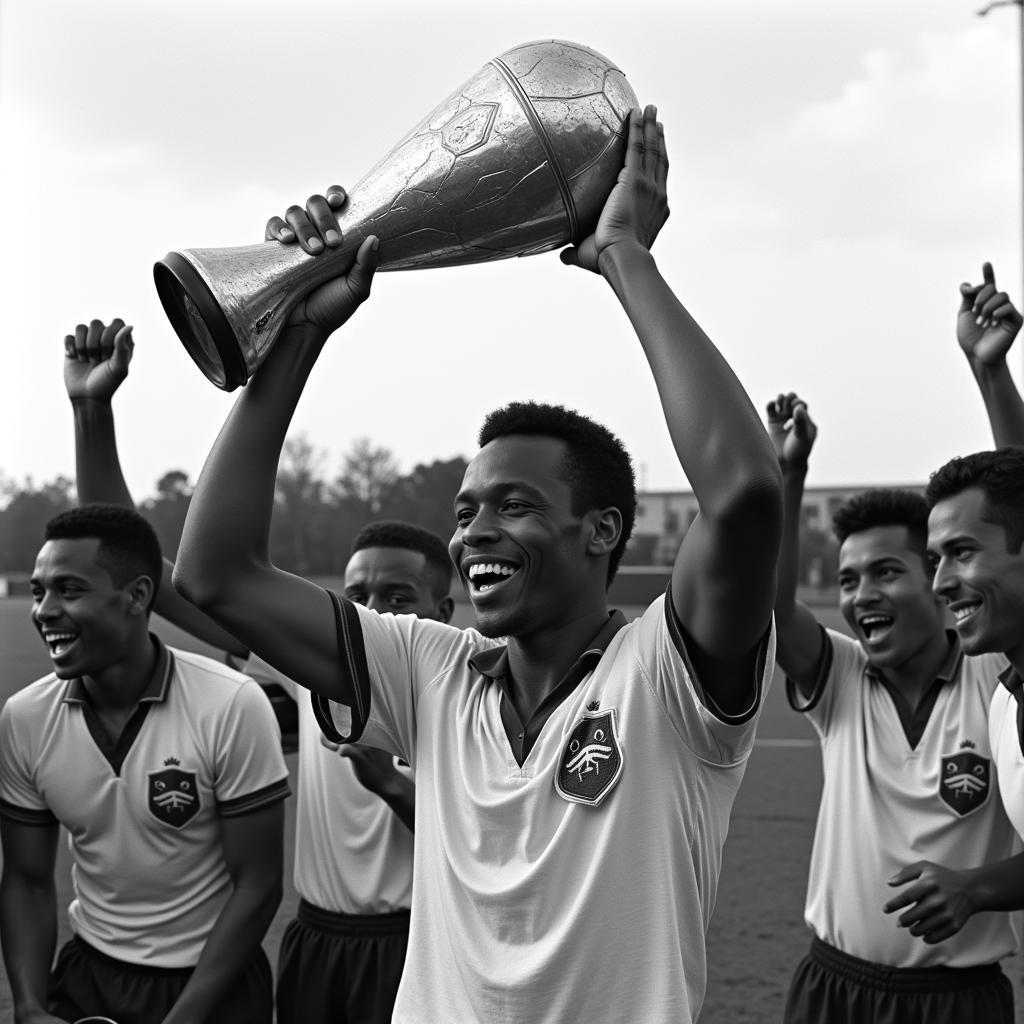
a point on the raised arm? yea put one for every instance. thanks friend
(986, 324)
(96, 361)
(223, 562)
(799, 637)
(723, 582)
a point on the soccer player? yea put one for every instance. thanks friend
(341, 957)
(573, 784)
(165, 767)
(902, 718)
(975, 536)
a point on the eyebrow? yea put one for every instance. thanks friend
(503, 489)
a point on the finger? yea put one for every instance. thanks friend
(635, 140)
(324, 219)
(967, 293)
(278, 231)
(988, 274)
(981, 296)
(650, 133)
(570, 257)
(930, 923)
(107, 337)
(124, 345)
(336, 197)
(93, 337)
(661, 173)
(925, 908)
(305, 231)
(69, 346)
(942, 933)
(908, 873)
(994, 302)
(81, 333)
(360, 277)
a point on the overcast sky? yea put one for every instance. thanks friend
(837, 168)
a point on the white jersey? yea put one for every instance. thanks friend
(577, 886)
(1004, 734)
(353, 854)
(886, 804)
(147, 865)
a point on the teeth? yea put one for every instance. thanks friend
(493, 568)
(59, 642)
(963, 613)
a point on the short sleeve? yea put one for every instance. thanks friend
(842, 658)
(249, 768)
(387, 661)
(20, 800)
(711, 735)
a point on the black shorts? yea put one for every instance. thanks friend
(832, 987)
(340, 968)
(86, 982)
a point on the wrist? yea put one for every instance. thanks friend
(88, 402)
(793, 470)
(618, 255)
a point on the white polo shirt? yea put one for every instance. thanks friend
(579, 885)
(1005, 736)
(353, 854)
(886, 804)
(144, 817)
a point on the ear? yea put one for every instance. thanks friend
(140, 595)
(606, 529)
(445, 609)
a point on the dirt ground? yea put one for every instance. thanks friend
(757, 935)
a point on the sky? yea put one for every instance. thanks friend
(837, 169)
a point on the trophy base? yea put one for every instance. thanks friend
(199, 321)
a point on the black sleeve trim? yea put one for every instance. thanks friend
(677, 631)
(27, 815)
(356, 672)
(822, 671)
(254, 801)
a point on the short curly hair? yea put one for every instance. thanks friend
(128, 545)
(999, 475)
(394, 533)
(885, 506)
(597, 466)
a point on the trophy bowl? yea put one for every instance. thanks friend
(518, 160)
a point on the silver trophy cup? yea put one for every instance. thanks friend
(518, 160)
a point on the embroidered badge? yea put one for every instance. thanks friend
(591, 760)
(965, 779)
(173, 794)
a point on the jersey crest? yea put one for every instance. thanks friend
(173, 796)
(591, 760)
(964, 783)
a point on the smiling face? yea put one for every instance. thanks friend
(978, 577)
(397, 580)
(885, 595)
(86, 621)
(525, 557)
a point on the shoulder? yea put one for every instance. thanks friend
(37, 700)
(208, 684)
(984, 670)
(848, 657)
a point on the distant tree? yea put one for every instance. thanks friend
(300, 524)
(425, 495)
(24, 510)
(167, 510)
(367, 475)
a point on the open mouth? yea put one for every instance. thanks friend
(963, 613)
(485, 576)
(59, 643)
(875, 626)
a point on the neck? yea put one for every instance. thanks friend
(915, 676)
(538, 662)
(119, 686)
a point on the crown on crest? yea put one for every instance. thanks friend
(171, 760)
(967, 745)
(593, 705)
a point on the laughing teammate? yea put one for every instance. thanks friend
(165, 767)
(902, 718)
(573, 785)
(341, 957)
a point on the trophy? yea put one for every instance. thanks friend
(518, 160)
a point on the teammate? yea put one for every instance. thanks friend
(166, 770)
(975, 535)
(341, 958)
(902, 718)
(573, 785)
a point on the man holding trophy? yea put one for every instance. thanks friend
(575, 773)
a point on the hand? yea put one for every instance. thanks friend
(987, 322)
(374, 768)
(96, 359)
(315, 227)
(941, 900)
(792, 430)
(637, 207)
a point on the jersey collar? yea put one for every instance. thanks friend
(156, 690)
(493, 663)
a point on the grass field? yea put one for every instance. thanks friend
(757, 934)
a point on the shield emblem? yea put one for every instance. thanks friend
(591, 760)
(965, 781)
(173, 796)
